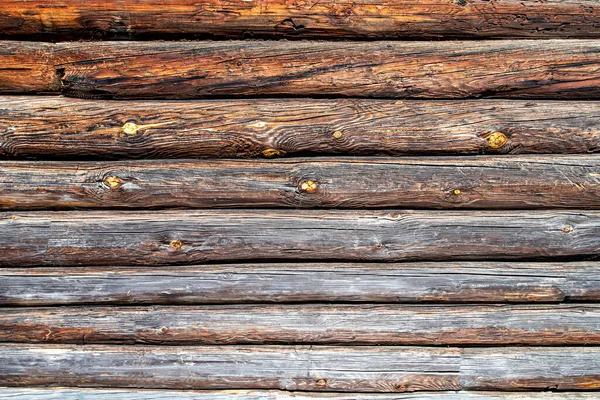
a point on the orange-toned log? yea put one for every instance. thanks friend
(557, 69)
(328, 19)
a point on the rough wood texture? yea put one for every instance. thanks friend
(129, 394)
(54, 127)
(316, 368)
(453, 70)
(388, 283)
(298, 19)
(553, 325)
(176, 237)
(472, 183)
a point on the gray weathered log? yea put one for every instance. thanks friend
(130, 394)
(54, 127)
(178, 237)
(306, 282)
(315, 368)
(391, 19)
(558, 69)
(368, 324)
(474, 183)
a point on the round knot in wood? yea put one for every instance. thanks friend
(497, 139)
(130, 128)
(309, 186)
(113, 182)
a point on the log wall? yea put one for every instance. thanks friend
(372, 211)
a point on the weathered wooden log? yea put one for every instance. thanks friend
(283, 18)
(176, 237)
(27, 68)
(54, 127)
(316, 368)
(306, 282)
(128, 394)
(172, 70)
(473, 183)
(306, 324)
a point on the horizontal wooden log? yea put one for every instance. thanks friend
(472, 183)
(176, 237)
(558, 69)
(306, 324)
(316, 368)
(283, 18)
(128, 394)
(306, 282)
(54, 127)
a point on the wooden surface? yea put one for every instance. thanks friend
(370, 324)
(315, 368)
(176, 237)
(172, 219)
(307, 282)
(557, 69)
(473, 183)
(119, 394)
(54, 127)
(299, 19)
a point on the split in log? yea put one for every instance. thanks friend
(315, 368)
(54, 127)
(559, 69)
(528, 182)
(388, 283)
(370, 324)
(178, 237)
(128, 394)
(391, 19)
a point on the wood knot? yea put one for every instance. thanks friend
(322, 382)
(130, 128)
(379, 246)
(337, 134)
(456, 192)
(497, 139)
(164, 329)
(273, 152)
(308, 186)
(567, 229)
(401, 387)
(175, 244)
(113, 182)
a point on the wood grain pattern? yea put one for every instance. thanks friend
(176, 237)
(315, 368)
(298, 19)
(472, 183)
(54, 127)
(129, 394)
(559, 69)
(372, 324)
(307, 282)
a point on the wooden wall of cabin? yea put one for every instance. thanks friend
(299, 199)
